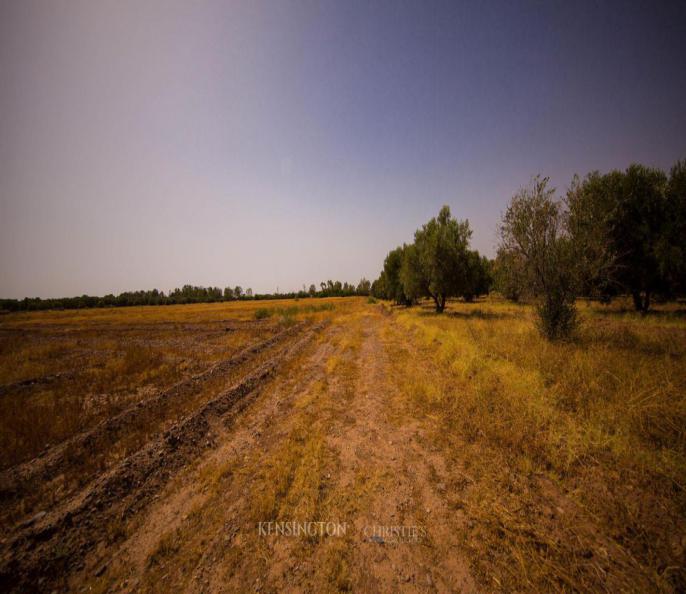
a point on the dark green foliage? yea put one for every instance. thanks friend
(478, 276)
(638, 225)
(672, 247)
(412, 280)
(438, 264)
(364, 287)
(508, 275)
(556, 313)
(393, 287)
(442, 252)
(379, 287)
(628, 231)
(591, 206)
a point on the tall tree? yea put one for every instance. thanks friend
(672, 249)
(592, 205)
(478, 278)
(412, 279)
(533, 229)
(391, 270)
(363, 287)
(509, 275)
(638, 227)
(442, 245)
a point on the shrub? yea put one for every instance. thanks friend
(262, 313)
(556, 315)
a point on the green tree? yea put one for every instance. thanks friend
(624, 230)
(638, 228)
(509, 276)
(672, 248)
(478, 278)
(592, 204)
(533, 230)
(442, 245)
(391, 270)
(379, 287)
(363, 287)
(412, 279)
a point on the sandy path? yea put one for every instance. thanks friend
(394, 460)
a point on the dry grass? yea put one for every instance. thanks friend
(575, 453)
(79, 367)
(560, 467)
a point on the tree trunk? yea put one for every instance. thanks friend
(440, 303)
(641, 301)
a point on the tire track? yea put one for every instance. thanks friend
(56, 544)
(15, 481)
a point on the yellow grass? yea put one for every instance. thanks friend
(573, 448)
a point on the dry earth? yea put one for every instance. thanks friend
(305, 423)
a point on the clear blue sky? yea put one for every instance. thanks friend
(153, 143)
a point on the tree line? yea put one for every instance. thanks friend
(619, 233)
(184, 295)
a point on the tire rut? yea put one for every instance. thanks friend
(56, 544)
(15, 481)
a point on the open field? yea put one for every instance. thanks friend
(142, 448)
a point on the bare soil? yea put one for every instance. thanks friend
(302, 423)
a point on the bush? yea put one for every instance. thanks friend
(556, 316)
(262, 313)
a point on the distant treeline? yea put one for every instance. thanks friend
(619, 233)
(186, 294)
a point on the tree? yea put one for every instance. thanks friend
(379, 287)
(478, 278)
(672, 247)
(620, 226)
(442, 246)
(363, 287)
(533, 229)
(238, 292)
(391, 271)
(313, 290)
(509, 276)
(638, 227)
(412, 280)
(592, 206)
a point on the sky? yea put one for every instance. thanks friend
(148, 144)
